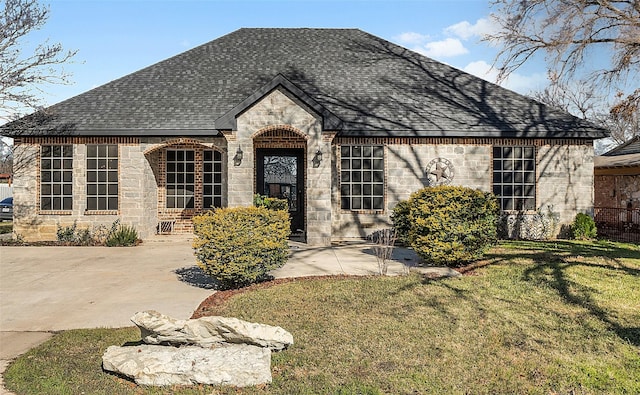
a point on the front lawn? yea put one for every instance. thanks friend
(6, 227)
(556, 317)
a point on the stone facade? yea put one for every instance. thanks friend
(281, 111)
(140, 187)
(565, 180)
(564, 173)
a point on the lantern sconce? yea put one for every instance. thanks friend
(237, 159)
(317, 159)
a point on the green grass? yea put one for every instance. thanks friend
(536, 318)
(6, 227)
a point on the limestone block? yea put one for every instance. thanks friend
(157, 328)
(239, 365)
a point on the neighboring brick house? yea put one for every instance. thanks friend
(617, 192)
(617, 176)
(342, 123)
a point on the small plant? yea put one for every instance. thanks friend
(539, 225)
(384, 241)
(102, 233)
(239, 246)
(270, 203)
(584, 227)
(66, 233)
(124, 236)
(74, 235)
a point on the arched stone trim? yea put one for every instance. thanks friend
(279, 131)
(182, 141)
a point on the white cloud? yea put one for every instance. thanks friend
(520, 83)
(412, 38)
(481, 69)
(446, 48)
(466, 30)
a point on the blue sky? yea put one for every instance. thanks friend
(117, 37)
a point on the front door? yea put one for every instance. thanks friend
(280, 174)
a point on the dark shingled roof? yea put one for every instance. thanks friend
(361, 84)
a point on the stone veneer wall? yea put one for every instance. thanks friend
(279, 110)
(564, 172)
(137, 186)
(565, 180)
(405, 166)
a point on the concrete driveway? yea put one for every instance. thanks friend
(50, 289)
(46, 289)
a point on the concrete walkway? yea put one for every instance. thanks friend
(47, 289)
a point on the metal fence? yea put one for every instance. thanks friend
(619, 224)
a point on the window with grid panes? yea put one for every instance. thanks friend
(514, 177)
(362, 177)
(56, 177)
(180, 186)
(212, 179)
(102, 177)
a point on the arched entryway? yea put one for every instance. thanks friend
(190, 178)
(280, 171)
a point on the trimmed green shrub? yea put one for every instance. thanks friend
(584, 227)
(452, 225)
(239, 246)
(270, 202)
(401, 223)
(124, 236)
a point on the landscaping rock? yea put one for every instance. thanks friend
(239, 365)
(157, 328)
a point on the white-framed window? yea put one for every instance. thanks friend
(362, 177)
(514, 177)
(56, 177)
(102, 177)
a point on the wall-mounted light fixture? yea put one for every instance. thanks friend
(237, 159)
(317, 159)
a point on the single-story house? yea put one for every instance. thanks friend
(341, 123)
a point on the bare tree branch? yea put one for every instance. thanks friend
(563, 31)
(582, 100)
(22, 74)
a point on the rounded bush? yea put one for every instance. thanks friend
(452, 225)
(239, 246)
(584, 227)
(401, 223)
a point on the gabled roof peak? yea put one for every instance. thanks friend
(228, 120)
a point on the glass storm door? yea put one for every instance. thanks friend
(280, 174)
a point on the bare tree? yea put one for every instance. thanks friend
(22, 74)
(583, 100)
(565, 31)
(579, 99)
